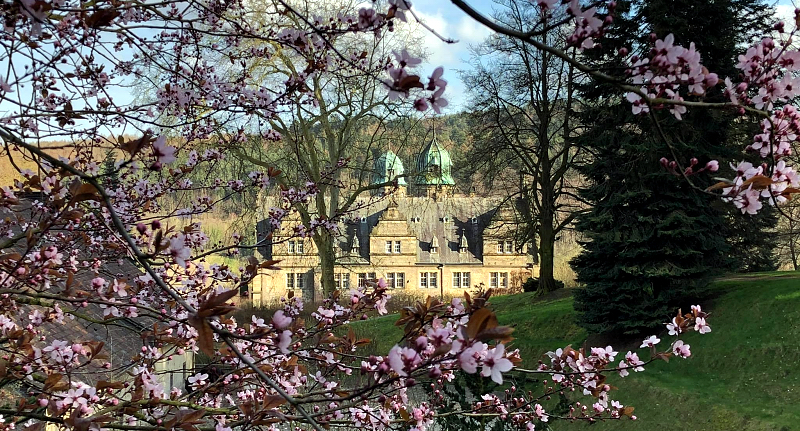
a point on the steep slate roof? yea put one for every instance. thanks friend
(122, 340)
(447, 218)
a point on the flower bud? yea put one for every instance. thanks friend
(623, 51)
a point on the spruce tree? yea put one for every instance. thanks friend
(652, 239)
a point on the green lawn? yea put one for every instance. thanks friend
(744, 375)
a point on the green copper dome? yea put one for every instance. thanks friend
(388, 167)
(434, 165)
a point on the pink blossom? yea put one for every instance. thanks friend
(178, 249)
(403, 359)
(651, 341)
(468, 359)
(495, 363)
(164, 153)
(673, 327)
(681, 349)
(280, 320)
(701, 326)
(198, 380)
(285, 339)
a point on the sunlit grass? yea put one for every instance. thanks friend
(742, 376)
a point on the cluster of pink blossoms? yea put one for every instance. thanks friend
(768, 86)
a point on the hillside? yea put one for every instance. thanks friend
(744, 375)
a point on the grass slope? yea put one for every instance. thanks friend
(745, 375)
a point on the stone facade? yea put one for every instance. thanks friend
(429, 240)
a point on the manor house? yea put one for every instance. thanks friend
(422, 236)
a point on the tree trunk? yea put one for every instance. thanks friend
(547, 282)
(327, 261)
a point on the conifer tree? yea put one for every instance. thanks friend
(653, 238)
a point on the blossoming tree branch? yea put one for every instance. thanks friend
(104, 248)
(672, 77)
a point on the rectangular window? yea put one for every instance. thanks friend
(509, 246)
(300, 283)
(500, 246)
(342, 281)
(432, 279)
(396, 280)
(423, 280)
(456, 280)
(371, 276)
(291, 247)
(499, 280)
(388, 247)
(465, 280)
(461, 280)
(397, 247)
(290, 280)
(299, 247)
(362, 279)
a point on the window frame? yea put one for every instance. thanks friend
(290, 247)
(397, 247)
(388, 247)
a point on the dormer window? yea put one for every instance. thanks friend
(474, 220)
(434, 245)
(356, 247)
(363, 219)
(295, 247)
(462, 244)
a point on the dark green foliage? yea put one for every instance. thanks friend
(653, 239)
(530, 285)
(109, 171)
(651, 242)
(752, 247)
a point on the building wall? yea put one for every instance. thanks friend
(270, 286)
